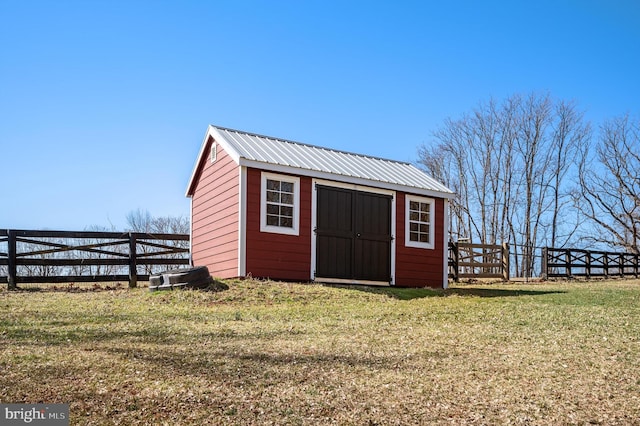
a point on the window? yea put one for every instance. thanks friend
(214, 151)
(280, 204)
(419, 223)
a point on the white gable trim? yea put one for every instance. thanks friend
(230, 150)
(213, 133)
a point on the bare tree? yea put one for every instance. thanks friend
(438, 162)
(609, 190)
(142, 221)
(170, 225)
(96, 269)
(571, 135)
(533, 150)
(509, 163)
(139, 221)
(464, 160)
(40, 252)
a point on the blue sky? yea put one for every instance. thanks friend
(104, 104)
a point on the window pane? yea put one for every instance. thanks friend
(424, 207)
(424, 228)
(273, 185)
(414, 216)
(286, 187)
(286, 222)
(414, 205)
(286, 211)
(413, 227)
(424, 238)
(273, 197)
(424, 217)
(413, 236)
(273, 209)
(272, 220)
(286, 198)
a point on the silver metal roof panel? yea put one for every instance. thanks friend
(304, 157)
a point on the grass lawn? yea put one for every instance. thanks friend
(274, 353)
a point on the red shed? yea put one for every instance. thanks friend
(272, 208)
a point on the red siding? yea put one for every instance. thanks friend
(278, 256)
(417, 267)
(215, 216)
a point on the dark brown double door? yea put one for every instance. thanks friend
(353, 235)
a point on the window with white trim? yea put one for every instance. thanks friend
(280, 204)
(419, 222)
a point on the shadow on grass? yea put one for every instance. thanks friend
(499, 292)
(65, 288)
(420, 293)
(242, 364)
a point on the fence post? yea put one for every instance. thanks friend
(545, 262)
(621, 264)
(133, 270)
(505, 261)
(11, 263)
(453, 247)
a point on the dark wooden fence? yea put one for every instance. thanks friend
(468, 260)
(570, 263)
(64, 256)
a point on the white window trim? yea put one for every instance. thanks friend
(432, 215)
(296, 204)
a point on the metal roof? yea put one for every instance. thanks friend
(249, 148)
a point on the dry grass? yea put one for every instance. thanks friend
(274, 353)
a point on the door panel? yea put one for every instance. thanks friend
(353, 234)
(334, 233)
(373, 237)
(334, 257)
(335, 210)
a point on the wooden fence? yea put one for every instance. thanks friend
(468, 260)
(570, 263)
(63, 256)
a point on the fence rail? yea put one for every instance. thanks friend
(570, 263)
(70, 256)
(467, 260)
